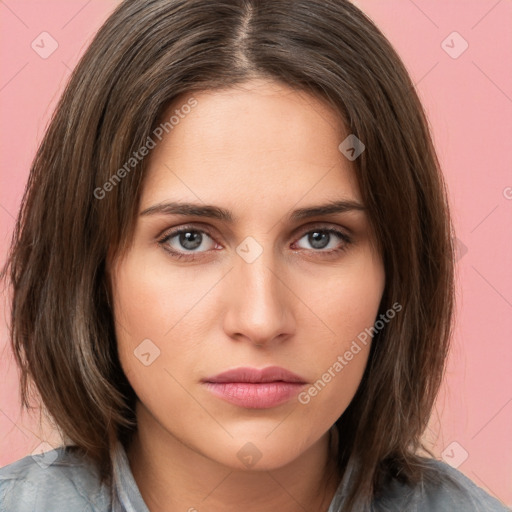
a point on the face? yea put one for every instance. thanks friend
(256, 280)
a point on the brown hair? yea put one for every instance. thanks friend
(145, 55)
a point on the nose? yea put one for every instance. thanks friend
(258, 303)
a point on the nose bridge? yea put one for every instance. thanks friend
(258, 307)
(259, 282)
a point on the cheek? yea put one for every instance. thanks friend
(154, 300)
(346, 299)
(347, 303)
(164, 315)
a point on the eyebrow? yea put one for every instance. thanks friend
(215, 212)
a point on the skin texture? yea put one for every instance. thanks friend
(259, 150)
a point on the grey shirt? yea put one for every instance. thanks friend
(59, 481)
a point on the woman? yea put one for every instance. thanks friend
(233, 271)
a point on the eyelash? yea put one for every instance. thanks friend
(192, 255)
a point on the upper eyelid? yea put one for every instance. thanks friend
(321, 226)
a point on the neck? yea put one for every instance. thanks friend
(173, 477)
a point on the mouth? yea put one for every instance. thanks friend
(257, 376)
(254, 388)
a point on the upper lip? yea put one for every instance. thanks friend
(255, 375)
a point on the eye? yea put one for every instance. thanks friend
(190, 242)
(187, 240)
(325, 240)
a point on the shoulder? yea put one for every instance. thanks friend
(57, 480)
(443, 489)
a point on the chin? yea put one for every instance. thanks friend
(260, 452)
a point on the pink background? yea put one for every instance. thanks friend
(469, 103)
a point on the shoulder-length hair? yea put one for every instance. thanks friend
(145, 55)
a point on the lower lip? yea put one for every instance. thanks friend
(262, 395)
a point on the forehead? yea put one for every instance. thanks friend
(260, 141)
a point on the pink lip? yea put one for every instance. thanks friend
(254, 388)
